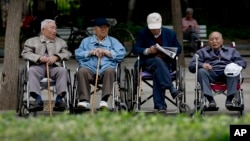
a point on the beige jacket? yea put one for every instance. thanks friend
(35, 47)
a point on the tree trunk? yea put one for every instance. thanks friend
(177, 23)
(9, 77)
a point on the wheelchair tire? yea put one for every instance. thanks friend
(20, 92)
(127, 89)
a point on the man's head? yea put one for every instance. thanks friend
(215, 40)
(101, 28)
(154, 21)
(48, 29)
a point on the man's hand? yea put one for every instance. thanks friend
(48, 59)
(99, 52)
(152, 50)
(207, 66)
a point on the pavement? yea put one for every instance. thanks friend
(146, 91)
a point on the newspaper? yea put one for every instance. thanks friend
(170, 51)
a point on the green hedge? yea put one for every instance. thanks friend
(108, 126)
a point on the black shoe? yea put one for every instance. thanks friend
(229, 101)
(176, 94)
(60, 104)
(38, 106)
(212, 103)
(162, 110)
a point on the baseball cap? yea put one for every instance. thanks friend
(232, 70)
(101, 22)
(154, 21)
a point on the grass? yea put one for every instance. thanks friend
(106, 126)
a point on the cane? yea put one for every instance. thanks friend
(95, 88)
(49, 95)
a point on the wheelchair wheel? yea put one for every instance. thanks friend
(125, 37)
(20, 93)
(184, 108)
(126, 90)
(69, 88)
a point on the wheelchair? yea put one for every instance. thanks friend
(135, 101)
(201, 103)
(24, 106)
(117, 99)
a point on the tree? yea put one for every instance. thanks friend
(9, 76)
(177, 23)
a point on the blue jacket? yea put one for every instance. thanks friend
(116, 48)
(226, 56)
(146, 39)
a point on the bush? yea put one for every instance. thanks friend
(106, 126)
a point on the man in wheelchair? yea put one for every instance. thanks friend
(156, 62)
(42, 50)
(212, 61)
(98, 46)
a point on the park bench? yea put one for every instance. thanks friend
(202, 33)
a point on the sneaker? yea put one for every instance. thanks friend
(176, 94)
(59, 102)
(103, 104)
(83, 104)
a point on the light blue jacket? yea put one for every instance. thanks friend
(116, 48)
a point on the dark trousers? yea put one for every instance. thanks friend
(161, 79)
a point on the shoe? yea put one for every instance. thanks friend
(229, 101)
(212, 103)
(176, 94)
(60, 105)
(38, 106)
(162, 110)
(83, 104)
(59, 102)
(103, 104)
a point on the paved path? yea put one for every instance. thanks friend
(189, 81)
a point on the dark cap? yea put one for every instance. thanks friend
(101, 22)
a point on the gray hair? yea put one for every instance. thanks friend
(45, 22)
(189, 10)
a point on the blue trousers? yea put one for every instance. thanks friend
(162, 79)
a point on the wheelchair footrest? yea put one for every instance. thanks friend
(211, 108)
(59, 109)
(35, 109)
(235, 108)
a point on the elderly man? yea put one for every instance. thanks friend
(109, 50)
(211, 64)
(42, 50)
(155, 61)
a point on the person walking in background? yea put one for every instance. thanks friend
(190, 29)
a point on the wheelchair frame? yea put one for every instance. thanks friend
(23, 106)
(136, 100)
(217, 88)
(119, 92)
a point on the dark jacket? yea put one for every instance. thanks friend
(145, 39)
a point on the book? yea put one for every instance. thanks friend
(170, 51)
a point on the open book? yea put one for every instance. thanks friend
(169, 51)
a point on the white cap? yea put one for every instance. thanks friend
(154, 21)
(232, 70)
